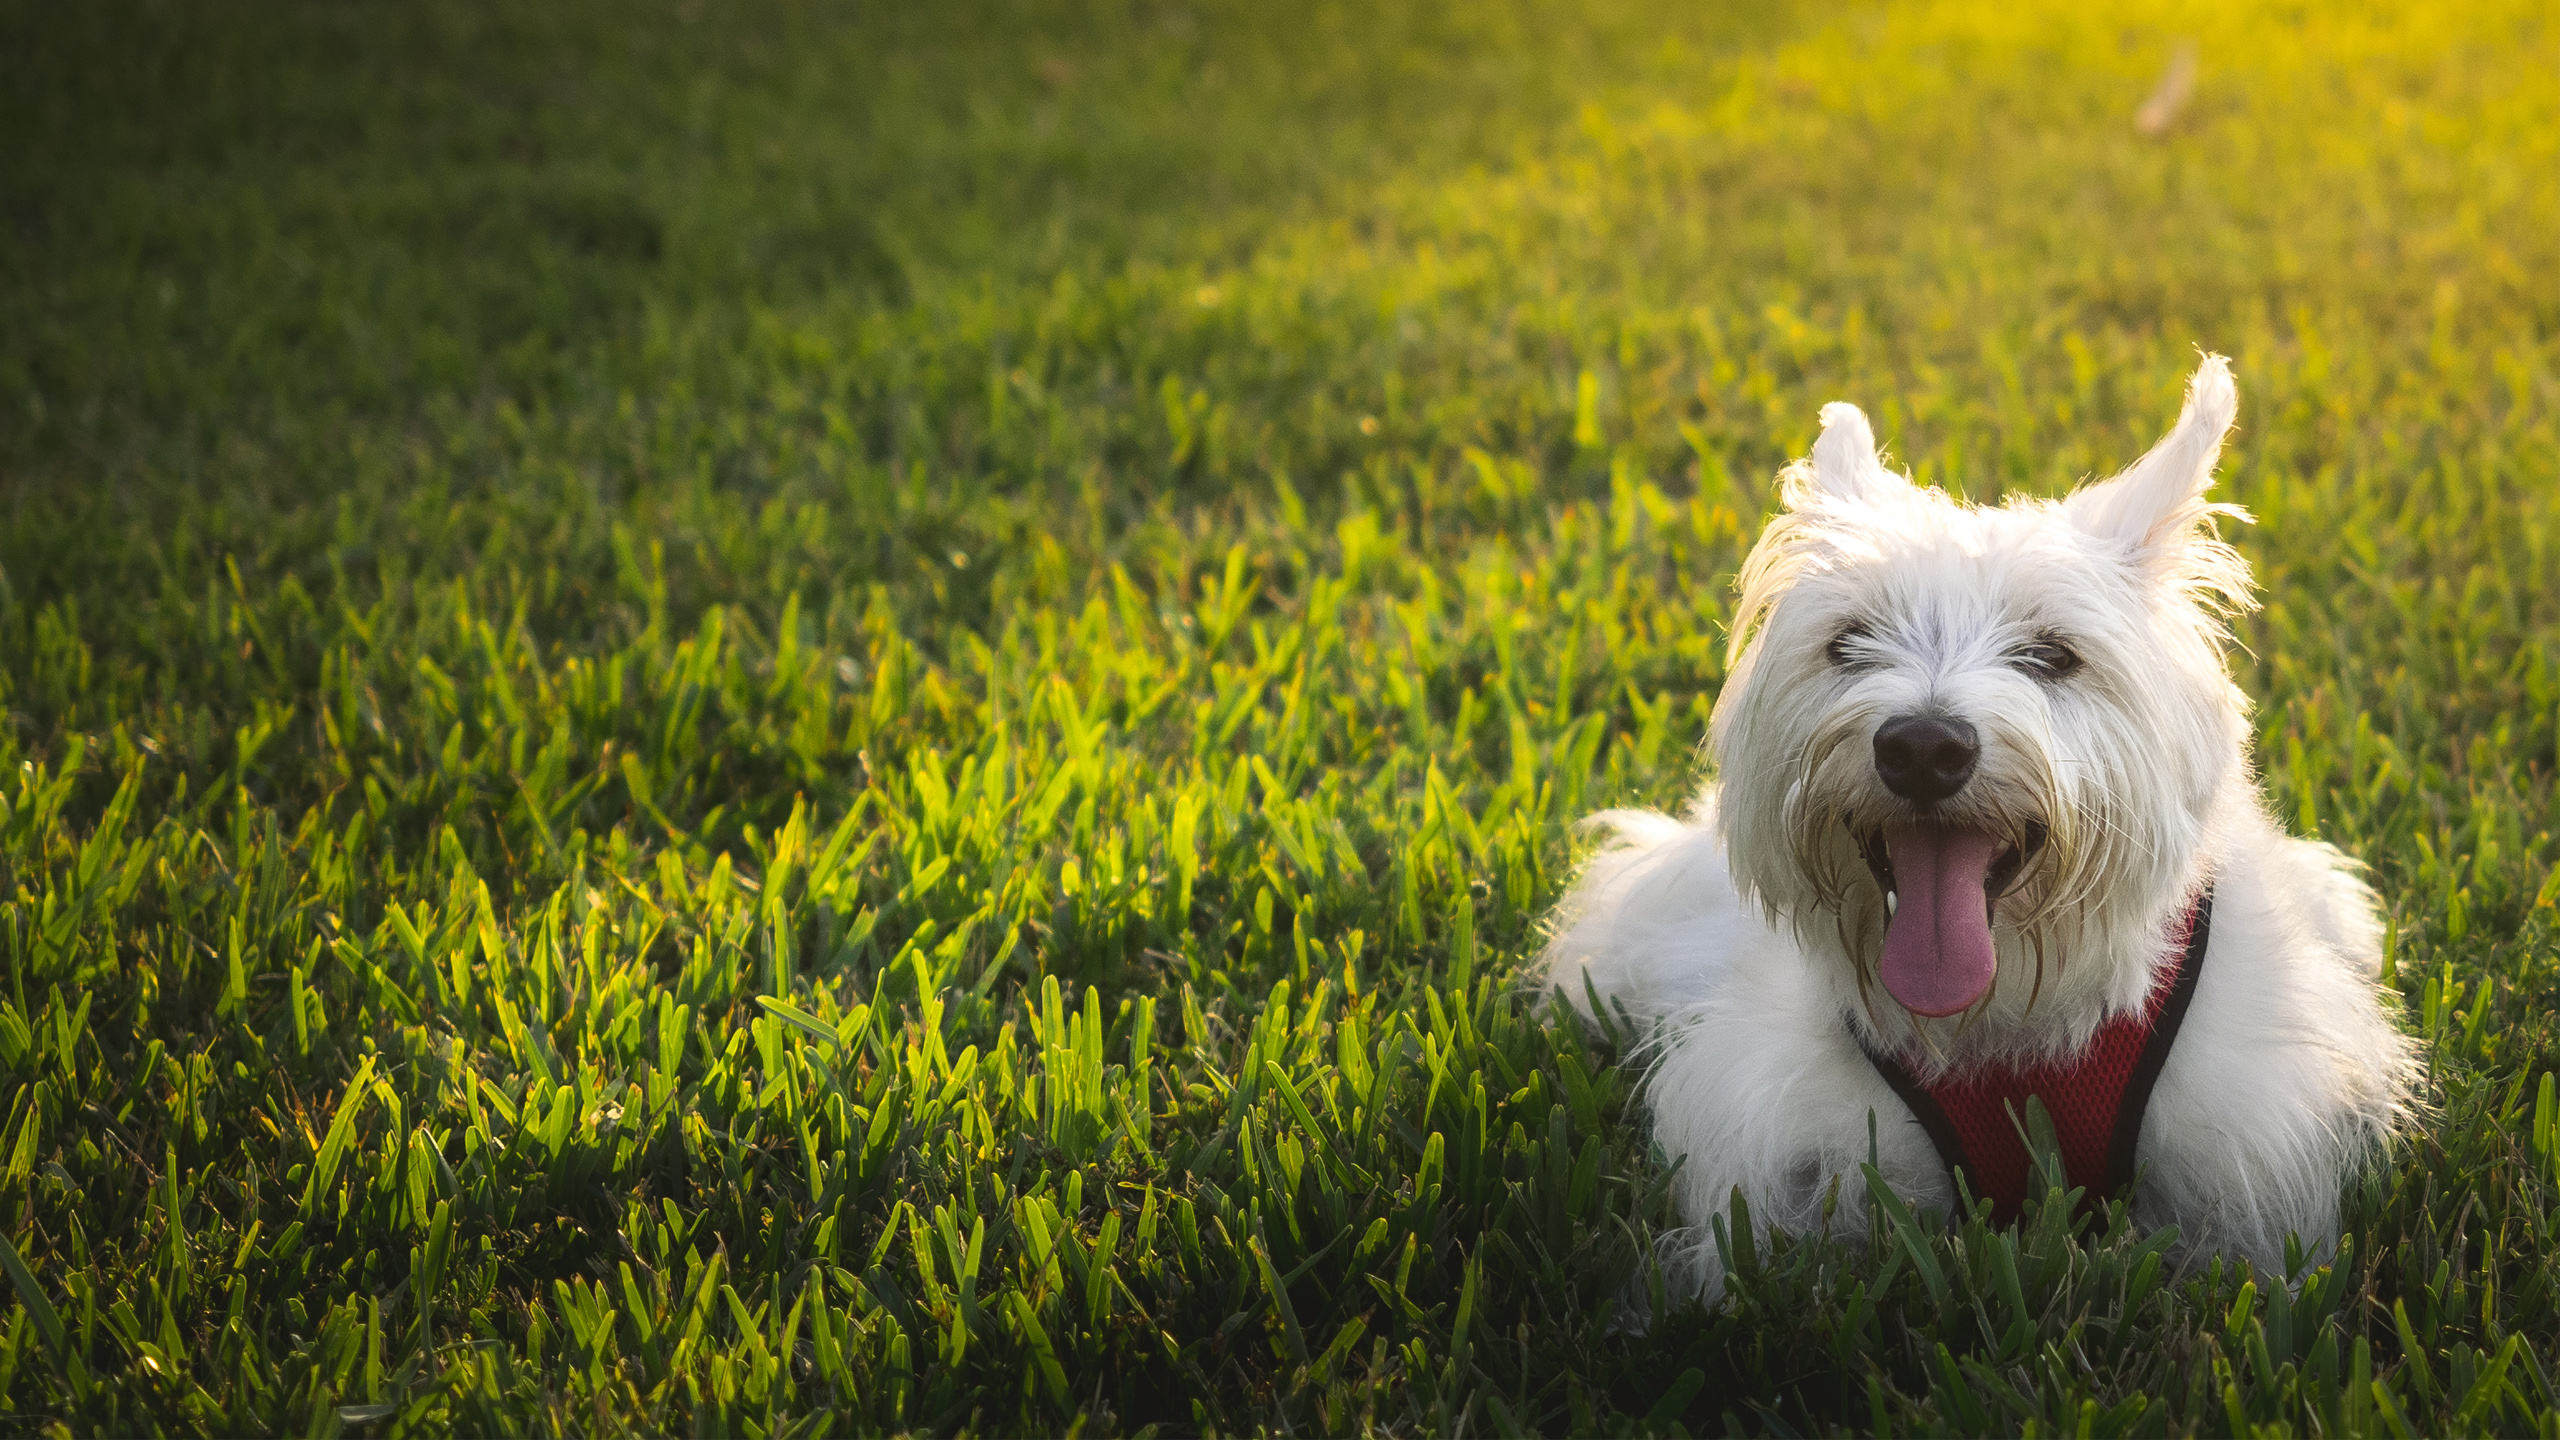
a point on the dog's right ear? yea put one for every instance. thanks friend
(1845, 468)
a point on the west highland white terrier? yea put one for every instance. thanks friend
(1983, 827)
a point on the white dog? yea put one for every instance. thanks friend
(1985, 827)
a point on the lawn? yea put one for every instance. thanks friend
(777, 720)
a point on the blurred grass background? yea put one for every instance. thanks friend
(766, 719)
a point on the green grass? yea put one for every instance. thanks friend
(748, 720)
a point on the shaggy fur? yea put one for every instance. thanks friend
(1744, 937)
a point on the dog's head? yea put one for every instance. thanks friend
(1971, 740)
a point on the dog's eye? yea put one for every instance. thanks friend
(1846, 649)
(2047, 657)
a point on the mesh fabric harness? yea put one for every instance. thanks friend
(2096, 1098)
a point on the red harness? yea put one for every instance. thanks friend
(2096, 1098)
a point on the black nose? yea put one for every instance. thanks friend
(1925, 757)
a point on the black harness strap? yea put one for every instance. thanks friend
(2155, 1053)
(1924, 1106)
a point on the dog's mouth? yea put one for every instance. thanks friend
(1941, 884)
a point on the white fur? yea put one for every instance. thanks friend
(1742, 939)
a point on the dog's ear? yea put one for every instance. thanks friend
(1845, 467)
(2157, 504)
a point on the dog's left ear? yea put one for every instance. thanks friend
(2157, 505)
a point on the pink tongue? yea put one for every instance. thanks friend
(1937, 947)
